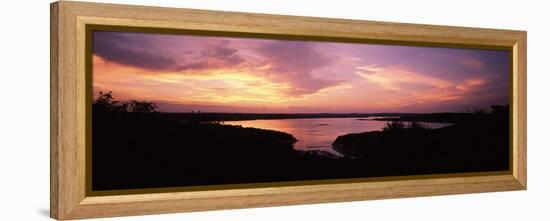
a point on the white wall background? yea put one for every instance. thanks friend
(24, 109)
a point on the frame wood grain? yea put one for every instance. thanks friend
(68, 88)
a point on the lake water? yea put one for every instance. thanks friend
(317, 134)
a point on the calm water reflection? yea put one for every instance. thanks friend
(319, 133)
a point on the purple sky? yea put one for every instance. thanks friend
(222, 74)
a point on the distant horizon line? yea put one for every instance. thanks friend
(376, 113)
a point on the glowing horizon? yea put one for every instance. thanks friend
(183, 73)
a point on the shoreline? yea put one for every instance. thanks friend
(247, 116)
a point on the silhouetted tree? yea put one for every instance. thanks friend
(417, 126)
(500, 109)
(476, 111)
(400, 126)
(394, 125)
(142, 107)
(105, 102)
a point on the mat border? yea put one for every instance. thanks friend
(69, 196)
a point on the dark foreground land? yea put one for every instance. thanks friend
(475, 142)
(150, 150)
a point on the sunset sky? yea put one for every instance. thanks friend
(184, 73)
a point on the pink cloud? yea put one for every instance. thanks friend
(294, 63)
(418, 89)
(143, 52)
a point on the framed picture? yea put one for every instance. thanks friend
(159, 110)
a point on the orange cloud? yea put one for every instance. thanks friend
(394, 78)
(412, 88)
(236, 87)
(469, 85)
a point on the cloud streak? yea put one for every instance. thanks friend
(419, 91)
(123, 49)
(142, 52)
(295, 63)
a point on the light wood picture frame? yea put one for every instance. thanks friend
(69, 133)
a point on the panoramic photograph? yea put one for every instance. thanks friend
(182, 110)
